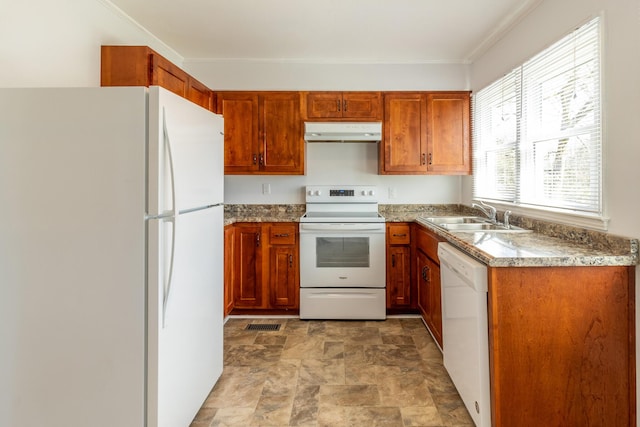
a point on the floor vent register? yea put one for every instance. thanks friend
(263, 327)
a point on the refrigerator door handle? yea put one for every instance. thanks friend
(167, 144)
(172, 218)
(166, 288)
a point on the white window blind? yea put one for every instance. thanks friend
(537, 130)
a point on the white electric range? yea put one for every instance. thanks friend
(342, 254)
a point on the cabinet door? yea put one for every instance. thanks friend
(435, 300)
(282, 143)
(229, 253)
(283, 277)
(169, 76)
(404, 143)
(361, 105)
(448, 141)
(247, 292)
(398, 277)
(241, 150)
(324, 105)
(422, 270)
(429, 302)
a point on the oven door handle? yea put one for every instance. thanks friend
(341, 227)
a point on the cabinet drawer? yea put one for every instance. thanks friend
(428, 243)
(282, 234)
(399, 234)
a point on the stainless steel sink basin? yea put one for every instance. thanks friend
(470, 224)
(455, 220)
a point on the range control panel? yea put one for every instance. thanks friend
(341, 194)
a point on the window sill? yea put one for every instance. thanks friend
(575, 220)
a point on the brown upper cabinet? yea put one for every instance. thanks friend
(142, 66)
(343, 105)
(426, 133)
(262, 133)
(448, 127)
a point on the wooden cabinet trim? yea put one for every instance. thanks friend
(142, 66)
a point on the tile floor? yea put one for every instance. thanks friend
(333, 374)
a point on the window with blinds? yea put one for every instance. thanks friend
(537, 130)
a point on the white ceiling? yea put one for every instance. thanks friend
(385, 31)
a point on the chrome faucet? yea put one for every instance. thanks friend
(507, 215)
(488, 210)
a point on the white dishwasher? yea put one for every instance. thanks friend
(465, 333)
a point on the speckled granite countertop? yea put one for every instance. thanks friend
(548, 245)
(262, 213)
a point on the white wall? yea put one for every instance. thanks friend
(621, 91)
(57, 43)
(335, 163)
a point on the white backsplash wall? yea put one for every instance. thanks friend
(340, 163)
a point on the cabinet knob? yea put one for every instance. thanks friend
(261, 159)
(424, 159)
(255, 159)
(282, 235)
(393, 260)
(258, 239)
(400, 235)
(338, 104)
(290, 261)
(430, 158)
(345, 105)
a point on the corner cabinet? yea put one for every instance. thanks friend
(428, 281)
(142, 66)
(262, 133)
(448, 127)
(343, 105)
(265, 267)
(426, 133)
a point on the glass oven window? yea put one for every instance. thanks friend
(335, 252)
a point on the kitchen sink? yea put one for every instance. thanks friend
(455, 220)
(471, 224)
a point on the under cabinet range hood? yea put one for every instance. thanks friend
(343, 131)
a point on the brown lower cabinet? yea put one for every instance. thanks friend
(399, 289)
(427, 277)
(229, 251)
(265, 267)
(562, 346)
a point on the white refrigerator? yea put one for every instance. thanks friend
(111, 257)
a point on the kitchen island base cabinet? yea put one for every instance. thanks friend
(562, 346)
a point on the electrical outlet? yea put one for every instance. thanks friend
(266, 188)
(393, 193)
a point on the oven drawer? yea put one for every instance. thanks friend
(343, 303)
